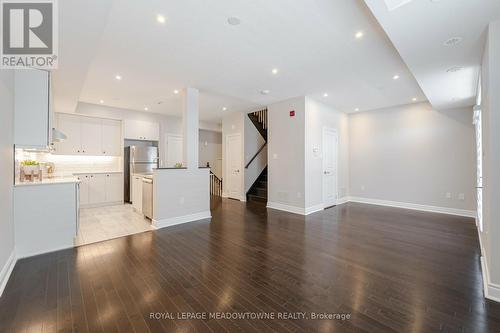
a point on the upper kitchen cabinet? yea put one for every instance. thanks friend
(111, 137)
(32, 118)
(91, 136)
(88, 136)
(70, 125)
(141, 130)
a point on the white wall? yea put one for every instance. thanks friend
(210, 150)
(286, 166)
(6, 172)
(319, 116)
(491, 155)
(413, 154)
(233, 123)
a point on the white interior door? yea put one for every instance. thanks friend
(330, 147)
(233, 166)
(174, 153)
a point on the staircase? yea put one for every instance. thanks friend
(258, 191)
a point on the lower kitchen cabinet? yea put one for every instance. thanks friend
(100, 189)
(136, 192)
(45, 216)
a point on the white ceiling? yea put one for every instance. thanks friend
(418, 30)
(312, 43)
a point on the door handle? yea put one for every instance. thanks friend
(326, 172)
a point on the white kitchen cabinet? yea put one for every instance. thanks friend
(45, 218)
(70, 125)
(97, 189)
(100, 189)
(33, 115)
(91, 136)
(111, 137)
(88, 136)
(141, 130)
(137, 193)
(114, 187)
(84, 189)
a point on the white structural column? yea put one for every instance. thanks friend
(190, 122)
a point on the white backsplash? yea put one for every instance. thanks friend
(66, 165)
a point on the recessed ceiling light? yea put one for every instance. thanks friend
(160, 19)
(233, 20)
(176, 91)
(118, 77)
(146, 108)
(395, 77)
(325, 95)
(356, 109)
(453, 41)
(359, 34)
(224, 108)
(454, 69)
(274, 71)
(101, 101)
(265, 92)
(414, 99)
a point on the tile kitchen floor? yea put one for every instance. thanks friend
(103, 223)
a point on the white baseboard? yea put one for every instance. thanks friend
(158, 224)
(22, 255)
(294, 209)
(491, 290)
(102, 204)
(396, 204)
(424, 208)
(7, 271)
(342, 200)
(314, 209)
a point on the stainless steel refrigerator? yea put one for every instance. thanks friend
(138, 160)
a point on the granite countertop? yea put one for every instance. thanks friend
(48, 181)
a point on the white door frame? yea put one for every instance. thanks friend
(227, 168)
(335, 132)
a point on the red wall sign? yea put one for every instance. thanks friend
(292, 113)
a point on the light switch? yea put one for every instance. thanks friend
(275, 156)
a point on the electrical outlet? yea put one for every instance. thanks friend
(461, 196)
(299, 195)
(181, 200)
(363, 187)
(448, 195)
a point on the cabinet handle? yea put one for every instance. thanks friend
(78, 150)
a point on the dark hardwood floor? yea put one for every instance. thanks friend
(388, 269)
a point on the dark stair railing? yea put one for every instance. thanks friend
(215, 185)
(255, 156)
